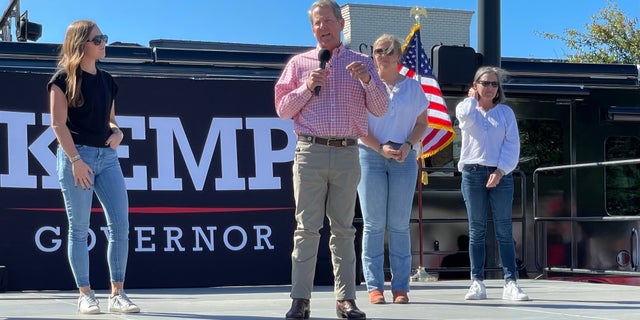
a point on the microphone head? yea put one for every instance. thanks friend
(324, 55)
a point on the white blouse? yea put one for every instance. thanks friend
(488, 138)
(406, 102)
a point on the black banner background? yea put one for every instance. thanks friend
(195, 102)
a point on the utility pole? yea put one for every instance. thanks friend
(489, 32)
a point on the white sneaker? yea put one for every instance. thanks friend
(121, 303)
(477, 291)
(512, 291)
(88, 304)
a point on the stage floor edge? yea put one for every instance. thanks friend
(428, 300)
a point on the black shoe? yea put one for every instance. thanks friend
(299, 310)
(347, 309)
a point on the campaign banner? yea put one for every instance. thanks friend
(207, 165)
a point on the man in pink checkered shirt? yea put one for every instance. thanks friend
(326, 168)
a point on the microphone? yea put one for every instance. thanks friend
(323, 55)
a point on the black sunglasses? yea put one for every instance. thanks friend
(487, 83)
(383, 52)
(98, 39)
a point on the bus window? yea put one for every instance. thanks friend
(622, 182)
(540, 144)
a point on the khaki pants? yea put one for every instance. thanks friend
(325, 181)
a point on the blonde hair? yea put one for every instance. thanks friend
(71, 55)
(395, 43)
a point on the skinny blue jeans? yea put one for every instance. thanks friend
(109, 186)
(386, 192)
(479, 201)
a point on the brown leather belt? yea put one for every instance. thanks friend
(331, 142)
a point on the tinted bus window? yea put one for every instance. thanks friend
(540, 144)
(622, 182)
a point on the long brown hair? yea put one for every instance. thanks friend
(70, 57)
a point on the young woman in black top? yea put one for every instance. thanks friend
(83, 120)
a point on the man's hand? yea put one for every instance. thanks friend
(316, 78)
(358, 71)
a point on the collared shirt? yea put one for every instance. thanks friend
(406, 102)
(488, 138)
(340, 110)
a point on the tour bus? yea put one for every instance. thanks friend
(207, 164)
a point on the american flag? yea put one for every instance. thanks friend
(440, 130)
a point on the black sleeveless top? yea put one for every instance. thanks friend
(89, 123)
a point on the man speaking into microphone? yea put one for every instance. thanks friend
(328, 96)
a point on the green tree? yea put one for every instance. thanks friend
(611, 37)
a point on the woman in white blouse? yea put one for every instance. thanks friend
(489, 153)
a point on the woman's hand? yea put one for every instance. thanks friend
(473, 93)
(114, 139)
(82, 174)
(494, 179)
(389, 152)
(405, 149)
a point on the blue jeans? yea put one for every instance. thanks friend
(109, 186)
(481, 200)
(386, 192)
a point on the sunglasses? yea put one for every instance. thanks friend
(98, 39)
(383, 52)
(487, 83)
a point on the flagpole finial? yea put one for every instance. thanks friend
(416, 12)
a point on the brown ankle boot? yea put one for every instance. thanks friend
(376, 297)
(400, 297)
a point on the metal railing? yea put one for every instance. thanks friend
(520, 218)
(538, 221)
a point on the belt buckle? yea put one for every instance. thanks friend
(330, 140)
(343, 142)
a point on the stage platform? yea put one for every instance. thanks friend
(429, 300)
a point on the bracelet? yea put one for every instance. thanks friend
(116, 130)
(501, 172)
(75, 158)
(380, 148)
(409, 143)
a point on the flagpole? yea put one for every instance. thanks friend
(417, 17)
(421, 273)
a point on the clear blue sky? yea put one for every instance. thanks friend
(285, 22)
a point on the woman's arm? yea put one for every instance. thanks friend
(415, 136)
(58, 108)
(117, 135)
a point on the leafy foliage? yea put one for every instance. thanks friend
(611, 37)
